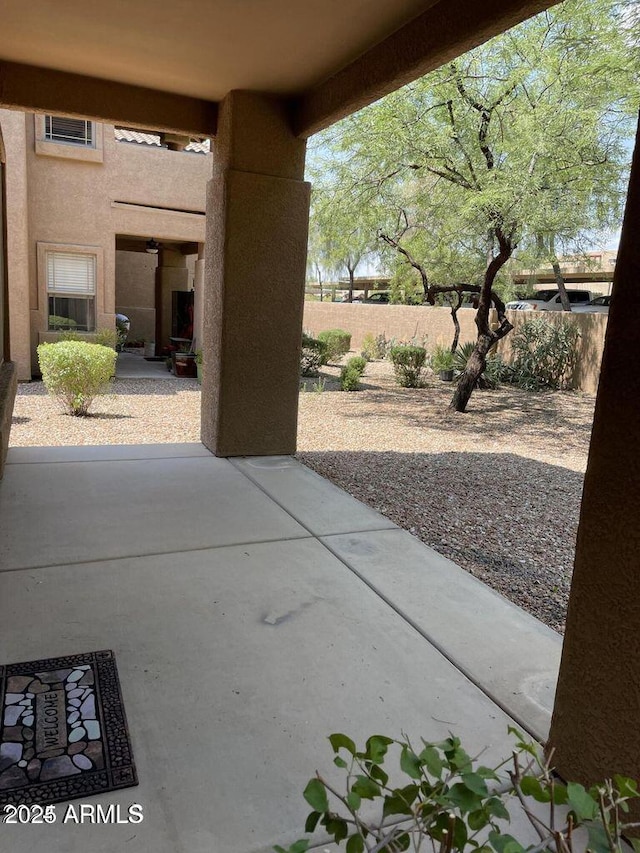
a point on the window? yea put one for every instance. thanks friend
(71, 131)
(71, 291)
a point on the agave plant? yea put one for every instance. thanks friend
(493, 374)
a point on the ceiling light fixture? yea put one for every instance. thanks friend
(152, 247)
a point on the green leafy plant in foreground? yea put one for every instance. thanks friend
(442, 800)
(75, 372)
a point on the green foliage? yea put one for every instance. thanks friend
(495, 371)
(312, 355)
(57, 324)
(408, 362)
(198, 356)
(357, 362)
(75, 372)
(106, 338)
(70, 335)
(350, 378)
(374, 346)
(453, 803)
(441, 358)
(544, 354)
(338, 343)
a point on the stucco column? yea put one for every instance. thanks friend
(595, 729)
(255, 259)
(198, 286)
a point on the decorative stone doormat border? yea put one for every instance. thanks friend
(63, 730)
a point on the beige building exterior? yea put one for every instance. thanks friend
(100, 198)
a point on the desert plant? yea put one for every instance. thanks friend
(350, 378)
(495, 372)
(357, 362)
(544, 354)
(408, 362)
(442, 800)
(198, 356)
(75, 372)
(441, 358)
(312, 355)
(374, 346)
(106, 338)
(338, 343)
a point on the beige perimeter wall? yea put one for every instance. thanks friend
(406, 322)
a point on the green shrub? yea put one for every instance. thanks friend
(312, 355)
(408, 362)
(544, 354)
(75, 372)
(70, 335)
(357, 363)
(338, 343)
(58, 323)
(495, 372)
(441, 358)
(374, 346)
(106, 338)
(350, 378)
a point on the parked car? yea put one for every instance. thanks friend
(599, 305)
(380, 298)
(549, 300)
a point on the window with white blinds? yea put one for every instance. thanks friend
(71, 274)
(73, 131)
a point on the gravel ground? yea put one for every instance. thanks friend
(497, 490)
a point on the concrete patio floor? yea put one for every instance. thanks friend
(254, 608)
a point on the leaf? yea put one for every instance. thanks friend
(497, 809)
(339, 741)
(355, 844)
(475, 783)
(300, 846)
(379, 775)
(560, 794)
(465, 799)
(531, 787)
(478, 819)
(410, 763)
(377, 746)
(504, 843)
(581, 802)
(598, 841)
(340, 762)
(312, 821)
(460, 834)
(627, 787)
(353, 800)
(430, 758)
(366, 788)
(316, 795)
(635, 843)
(393, 804)
(337, 827)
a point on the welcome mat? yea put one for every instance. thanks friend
(63, 731)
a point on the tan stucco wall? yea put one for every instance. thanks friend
(135, 292)
(403, 322)
(75, 202)
(406, 322)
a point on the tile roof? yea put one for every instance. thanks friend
(123, 134)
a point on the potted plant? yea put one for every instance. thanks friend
(199, 366)
(442, 362)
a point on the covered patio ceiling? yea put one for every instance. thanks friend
(166, 66)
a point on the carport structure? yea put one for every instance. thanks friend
(259, 79)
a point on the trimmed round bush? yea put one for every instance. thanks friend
(312, 356)
(408, 362)
(75, 372)
(338, 343)
(350, 378)
(358, 363)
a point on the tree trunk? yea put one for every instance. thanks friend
(455, 307)
(564, 296)
(351, 278)
(487, 337)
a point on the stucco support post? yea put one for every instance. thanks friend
(255, 261)
(595, 729)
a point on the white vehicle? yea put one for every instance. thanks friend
(599, 305)
(549, 300)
